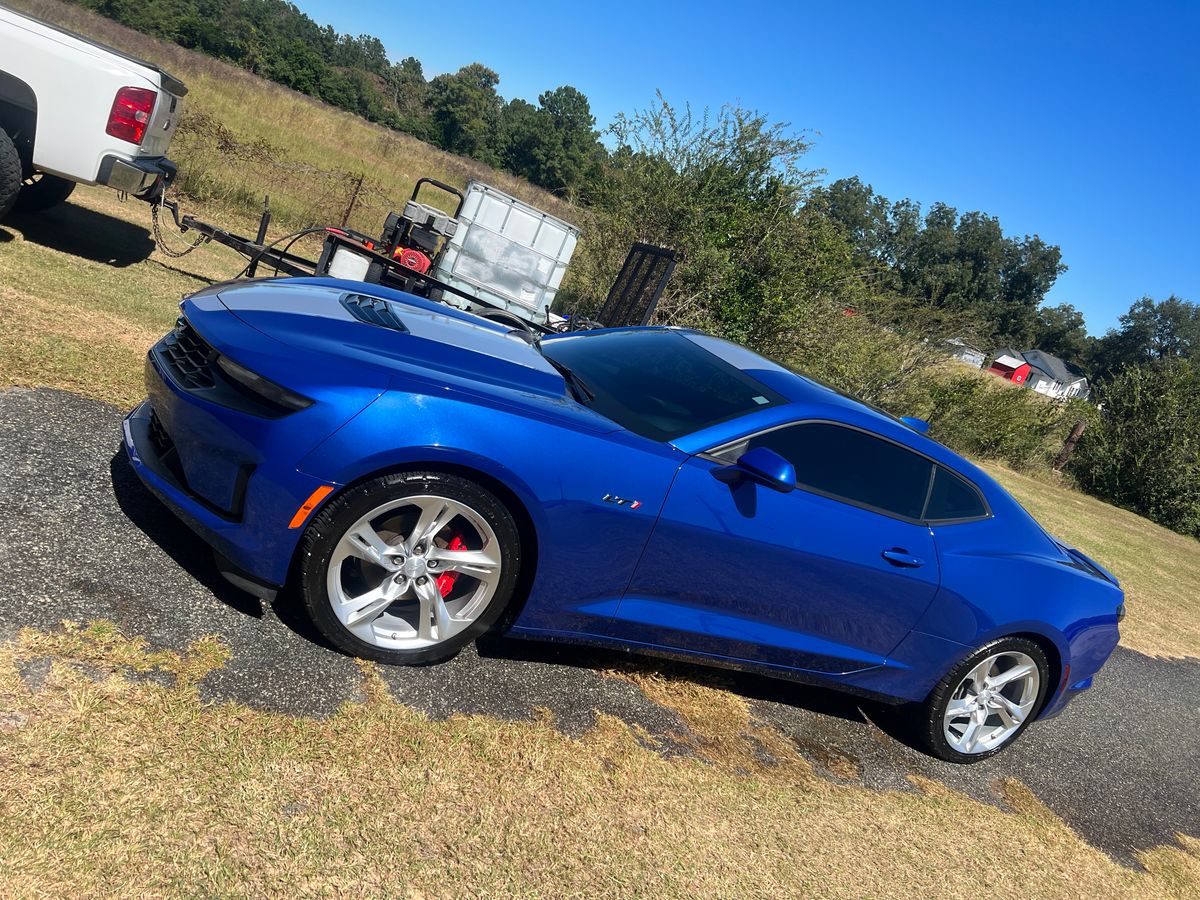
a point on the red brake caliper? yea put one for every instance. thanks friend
(445, 581)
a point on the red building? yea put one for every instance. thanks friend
(1011, 366)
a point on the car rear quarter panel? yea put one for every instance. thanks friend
(74, 83)
(999, 579)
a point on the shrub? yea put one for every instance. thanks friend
(1144, 451)
(981, 415)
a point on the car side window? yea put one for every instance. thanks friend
(953, 499)
(850, 465)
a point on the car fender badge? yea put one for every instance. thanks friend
(621, 501)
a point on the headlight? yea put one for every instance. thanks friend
(263, 387)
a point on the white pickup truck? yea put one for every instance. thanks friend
(75, 111)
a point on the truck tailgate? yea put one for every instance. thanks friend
(163, 122)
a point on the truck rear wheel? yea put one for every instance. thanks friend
(41, 191)
(10, 174)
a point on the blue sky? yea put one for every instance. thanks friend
(1076, 121)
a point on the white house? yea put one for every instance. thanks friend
(1053, 377)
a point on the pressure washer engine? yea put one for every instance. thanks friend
(413, 239)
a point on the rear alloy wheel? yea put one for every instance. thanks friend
(41, 192)
(409, 568)
(986, 701)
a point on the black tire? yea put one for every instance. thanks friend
(332, 522)
(10, 174)
(931, 730)
(40, 192)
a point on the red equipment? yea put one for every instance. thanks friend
(412, 259)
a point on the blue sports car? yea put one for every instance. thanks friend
(421, 475)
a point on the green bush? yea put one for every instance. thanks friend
(981, 415)
(1143, 453)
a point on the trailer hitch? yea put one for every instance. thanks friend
(156, 228)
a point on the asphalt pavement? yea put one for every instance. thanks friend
(81, 539)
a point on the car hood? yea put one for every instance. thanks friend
(399, 333)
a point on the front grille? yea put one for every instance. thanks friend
(189, 357)
(372, 311)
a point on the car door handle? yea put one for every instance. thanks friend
(902, 558)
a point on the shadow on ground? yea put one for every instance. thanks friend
(178, 541)
(85, 233)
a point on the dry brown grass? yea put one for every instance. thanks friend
(162, 794)
(1159, 569)
(79, 305)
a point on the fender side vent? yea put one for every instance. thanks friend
(372, 311)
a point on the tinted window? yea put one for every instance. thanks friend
(852, 465)
(953, 498)
(657, 383)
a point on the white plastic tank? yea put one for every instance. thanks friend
(507, 253)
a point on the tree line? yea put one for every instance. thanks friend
(986, 286)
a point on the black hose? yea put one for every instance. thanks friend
(295, 236)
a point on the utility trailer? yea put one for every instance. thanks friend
(495, 256)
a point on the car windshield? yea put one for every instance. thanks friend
(656, 383)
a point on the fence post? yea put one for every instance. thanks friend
(1069, 446)
(353, 198)
(263, 223)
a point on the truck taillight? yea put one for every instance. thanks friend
(131, 113)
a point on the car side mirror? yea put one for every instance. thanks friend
(918, 425)
(762, 466)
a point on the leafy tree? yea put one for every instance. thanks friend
(465, 109)
(725, 189)
(957, 264)
(522, 138)
(555, 144)
(863, 216)
(409, 90)
(1061, 330)
(1031, 267)
(1151, 331)
(574, 150)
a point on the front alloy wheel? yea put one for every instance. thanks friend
(985, 702)
(409, 568)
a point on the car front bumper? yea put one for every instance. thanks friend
(215, 471)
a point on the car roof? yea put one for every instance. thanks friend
(789, 383)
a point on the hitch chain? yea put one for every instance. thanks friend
(158, 237)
